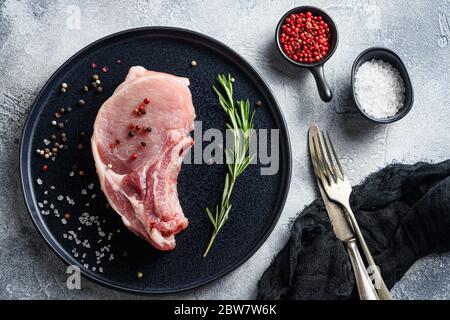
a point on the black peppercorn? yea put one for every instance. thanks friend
(131, 133)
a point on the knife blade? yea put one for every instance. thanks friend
(340, 223)
(343, 230)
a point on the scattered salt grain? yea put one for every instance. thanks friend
(379, 89)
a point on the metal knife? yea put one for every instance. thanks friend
(344, 232)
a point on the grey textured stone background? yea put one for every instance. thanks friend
(35, 40)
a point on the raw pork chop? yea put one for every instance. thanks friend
(141, 136)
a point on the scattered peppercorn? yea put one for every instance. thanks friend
(98, 82)
(81, 173)
(148, 129)
(259, 103)
(67, 216)
(140, 275)
(95, 76)
(61, 125)
(53, 137)
(94, 85)
(85, 88)
(44, 167)
(105, 69)
(93, 65)
(81, 102)
(57, 115)
(80, 147)
(63, 87)
(62, 110)
(193, 63)
(143, 143)
(82, 133)
(146, 100)
(99, 89)
(131, 133)
(69, 109)
(54, 123)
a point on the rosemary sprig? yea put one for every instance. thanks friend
(240, 122)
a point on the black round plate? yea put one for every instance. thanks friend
(93, 232)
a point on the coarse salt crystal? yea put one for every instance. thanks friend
(379, 89)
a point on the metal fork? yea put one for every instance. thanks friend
(338, 188)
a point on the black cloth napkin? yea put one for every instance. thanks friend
(404, 214)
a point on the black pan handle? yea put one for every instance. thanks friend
(322, 84)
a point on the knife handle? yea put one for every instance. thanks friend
(363, 282)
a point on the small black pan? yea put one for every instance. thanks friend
(315, 68)
(379, 53)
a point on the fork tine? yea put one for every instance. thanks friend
(325, 157)
(336, 158)
(326, 142)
